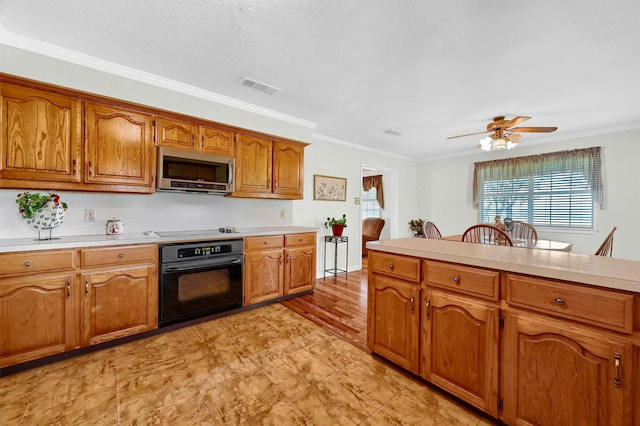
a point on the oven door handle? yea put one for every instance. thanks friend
(193, 266)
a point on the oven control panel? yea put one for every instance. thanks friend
(203, 250)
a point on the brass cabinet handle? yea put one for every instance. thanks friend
(559, 301)
(391, 266)
(426, 307)
(68, 290)
(27, 264)
(413, 307)
(90, 169)
(616, 361)
(120, 255)
(456, 279)
(74, 167)
(86, 288)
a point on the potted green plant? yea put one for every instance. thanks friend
(337, 225)
(416, 226)
(42, 211)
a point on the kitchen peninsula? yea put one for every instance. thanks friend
(527, 336)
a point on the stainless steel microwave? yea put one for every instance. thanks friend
(188, 171)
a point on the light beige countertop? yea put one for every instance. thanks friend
(77, 241)
(609, 272)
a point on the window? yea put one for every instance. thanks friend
(557, 190)
(372, 196)
(370, 205)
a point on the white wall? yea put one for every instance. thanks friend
(335, 159)
(445, 186)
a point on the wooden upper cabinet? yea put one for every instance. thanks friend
(40, 135)
(214, 140)
(254, 157)
(193, 136)
(267, 168)
(175, 133)
(288, 169)
(119, 146)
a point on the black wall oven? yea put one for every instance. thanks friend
(199, 279)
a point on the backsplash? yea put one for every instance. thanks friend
(147, 212)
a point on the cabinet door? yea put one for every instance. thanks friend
(254, 158)
(556, 373)
(118, 303)
(263, 276)
(393, 320)
(299, 270)
(119, 146)
(459, 347)
(216, 141)
(40, 135)
(175, 133)
(288, 169)
(38, 317)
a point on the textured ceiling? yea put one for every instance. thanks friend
(426, 68)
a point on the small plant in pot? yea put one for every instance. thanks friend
(337, 225)
(416, 226)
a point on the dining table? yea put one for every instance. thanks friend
(517, 242)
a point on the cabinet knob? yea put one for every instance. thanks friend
(456, 280)
(391, 266)
(120, 255)
(559, 301)
(27, 264)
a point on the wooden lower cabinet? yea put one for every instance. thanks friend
(38, 316)
(459, 347)
(53, 301)
(555, 373)
(277, 265)
(118, 303)
(263, 276)
(526, 350)
(393, 321)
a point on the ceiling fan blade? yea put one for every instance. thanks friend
(534, 129)
(515, 120)
(469, 134)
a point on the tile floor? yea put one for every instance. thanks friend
(265, 366)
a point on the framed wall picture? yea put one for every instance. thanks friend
(329, 188)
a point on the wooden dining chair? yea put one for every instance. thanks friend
(431, 231)
(606, 248)
(486, 234)
(524, 231)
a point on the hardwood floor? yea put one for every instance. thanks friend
(339, 305)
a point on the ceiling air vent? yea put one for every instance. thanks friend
(392, 132)
(259, 86)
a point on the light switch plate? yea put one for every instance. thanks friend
(356, 200)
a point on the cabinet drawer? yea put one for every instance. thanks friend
(600, 307)
(259, 243)
(36, 261)
(300, 240)
(473, 281)
(118, 255)
(406, 268)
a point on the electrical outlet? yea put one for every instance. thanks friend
(283, 214)
(89, 215)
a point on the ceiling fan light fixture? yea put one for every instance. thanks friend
(490, 144)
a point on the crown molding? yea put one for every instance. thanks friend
(337, 141)
(56, 52)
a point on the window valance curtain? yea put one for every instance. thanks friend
(369, 182)
(586, 160)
